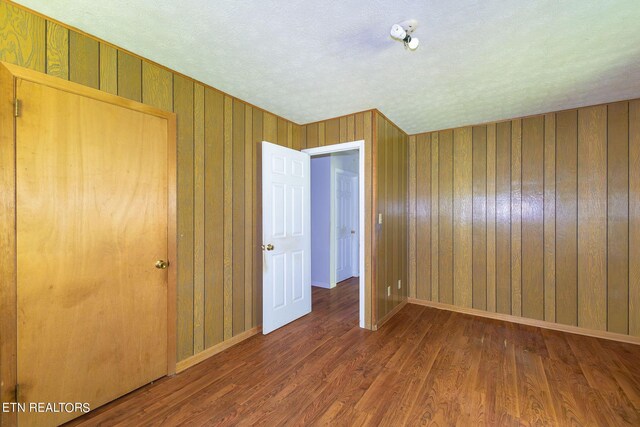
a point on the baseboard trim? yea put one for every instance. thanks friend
(321, 285)
(390, 314)
(530, 322)
(211, 351)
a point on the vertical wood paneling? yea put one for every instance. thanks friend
(282, 132)
(372, 120)
(381, 241)
(402, 215)
(567, 217)
(445, 219)
(109, 70)
(214, 214)
(157, 86)
(423, 217)
(404, 218)
(227, 236)
(343, 129)
(359, 126)
(84, 61)
(503, 217)
(396, 238)
(554, 216)
(198, 219)
(378, 247)
(462, 217)
(412, 216)
(479, 213)
(296, 136)
(22, 37)
(435, 215)
(248, 218)
(289, 134)
(392, 199)
(351, 128)
(129, 76)
(321, 134)
(618, 218)
(257, 138)
(634, 218)
(393, 178)
(238, 214)
(550, 217)
(533, 217)
(401, 212)
(57, 50)
(303, 137)
(390, 229)
(312, 135)
(364, 129)
(183, 101)
(491, 217)
(516, 217)
(270, 128)
(592, 217)
(332, 132)
(388, 209)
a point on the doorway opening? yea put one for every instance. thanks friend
(337, 216)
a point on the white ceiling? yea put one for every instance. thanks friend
(307, 60)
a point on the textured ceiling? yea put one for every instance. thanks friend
(305, 60)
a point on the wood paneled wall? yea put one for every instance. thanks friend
(219, 232)
(391, 201)
(354, 127)
(536, 217)
(386, 193)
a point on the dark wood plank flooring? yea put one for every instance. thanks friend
(425, 366)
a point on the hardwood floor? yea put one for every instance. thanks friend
(425, 366)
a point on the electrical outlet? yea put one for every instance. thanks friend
(379, 218)
(399, 284)
(388, 291)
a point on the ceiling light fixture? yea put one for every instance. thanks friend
(403, 30)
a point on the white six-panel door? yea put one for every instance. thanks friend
(345, 228)
(286, 236)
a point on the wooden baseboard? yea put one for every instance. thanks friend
(205, 354)
(390, 314)
(530, 322)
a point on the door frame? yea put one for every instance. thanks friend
(9, 74)
(348, 146)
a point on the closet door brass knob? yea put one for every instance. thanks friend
(268, 247)
(162, 264)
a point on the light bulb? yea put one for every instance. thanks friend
(397, 32)
(413, 43)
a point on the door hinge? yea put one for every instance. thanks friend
(16, 107)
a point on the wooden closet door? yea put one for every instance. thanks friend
(91, 219)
